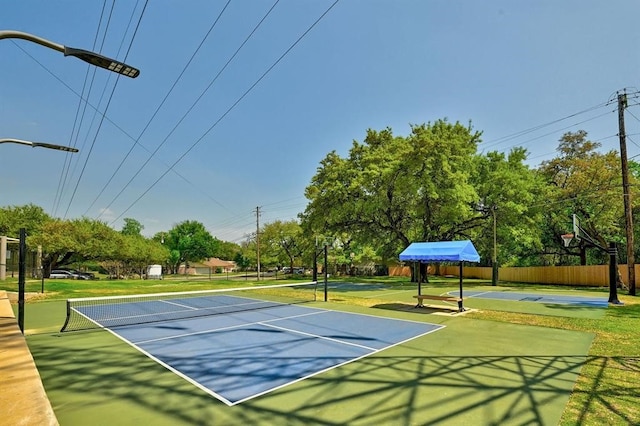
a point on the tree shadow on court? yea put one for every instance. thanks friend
(95, 378)
(454, 390)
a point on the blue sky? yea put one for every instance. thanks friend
(254, 136)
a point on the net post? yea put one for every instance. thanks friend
(66, 321)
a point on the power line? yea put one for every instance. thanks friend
(72, 142)
(521, 133)
(230, 108)
(153, 116)
(106, 109)
(192, 106)
(561, 129)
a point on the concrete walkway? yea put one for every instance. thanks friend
(22, 397)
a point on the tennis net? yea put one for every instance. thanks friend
(115, 311)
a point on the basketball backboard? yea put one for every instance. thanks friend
(581, 235)
(578, 233)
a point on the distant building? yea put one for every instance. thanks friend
(210, 265)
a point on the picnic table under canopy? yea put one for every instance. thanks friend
(441, 251)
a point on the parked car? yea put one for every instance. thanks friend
(76, 274)
(62, 274)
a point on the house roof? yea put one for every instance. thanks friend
(439, 251)
(214, 262)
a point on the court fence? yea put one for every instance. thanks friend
(589, 275)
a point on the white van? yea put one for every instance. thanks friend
(154, 272)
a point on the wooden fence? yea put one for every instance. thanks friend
(590, 275)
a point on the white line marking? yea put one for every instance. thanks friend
(178, 304)
(231, 327)
(317, 336)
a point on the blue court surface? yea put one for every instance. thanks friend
(536, 297)
(238, 356)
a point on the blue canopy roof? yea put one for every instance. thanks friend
(448, 251)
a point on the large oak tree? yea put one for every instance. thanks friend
(392, 190)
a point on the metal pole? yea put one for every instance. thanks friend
(41, 269)
(494, 272)
(315, 263)
(258, 239)
(21, 277)
(460, 303)
(325, 272)
(3, 258)
(613, 275)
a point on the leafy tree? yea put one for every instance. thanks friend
(281, 243)
(587, 183)
(228, 250)
(192, 242)
(242, 261)
(78, 239)
(512, 192)
(138, 252)
(30, 217)
(393, 190)
(132, 227)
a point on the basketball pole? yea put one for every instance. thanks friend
(613, 275)
(612, 251)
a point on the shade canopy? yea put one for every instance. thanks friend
(441, 251)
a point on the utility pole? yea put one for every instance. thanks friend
(622, 104)
(258, 239)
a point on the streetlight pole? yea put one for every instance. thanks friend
(39, 144)
(22, 270)
(84, 55)
(91, 58)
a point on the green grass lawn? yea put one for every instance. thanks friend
(606, 390)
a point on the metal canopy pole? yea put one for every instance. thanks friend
(460, 305)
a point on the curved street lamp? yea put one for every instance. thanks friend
(85, 55)
(39, 144)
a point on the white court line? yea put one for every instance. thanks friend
(317, 336)
(231, 327)
(178, 304)
(479, 294)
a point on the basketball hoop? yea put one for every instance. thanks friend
(567, 239)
